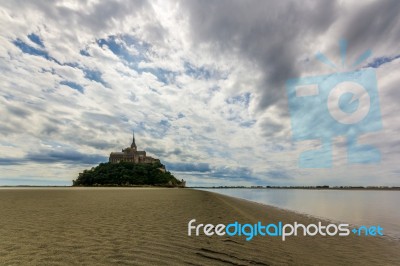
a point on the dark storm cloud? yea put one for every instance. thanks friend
(17, 111)
(235, 173)
(164, 153)
(204, 170)
(68, 156)
(271, 128)
(269, 33)
(189, 167)
(49, 129)
(11, 161)
(244, 173)
(64, 156)
(373, 25)
(32, 182)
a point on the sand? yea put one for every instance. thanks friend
(148, 226)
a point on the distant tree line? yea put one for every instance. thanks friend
(127, 174)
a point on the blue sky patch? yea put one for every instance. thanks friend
(84, 52)
(243, 99)
(117, 45)
(163, 75)
(26, 48)
(94, 75)
(73, 85)
(140, 46)
(197, 72)
(36, 39)
(382, 60)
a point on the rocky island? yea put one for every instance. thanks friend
(129, 167)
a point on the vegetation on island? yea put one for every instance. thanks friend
(127, 174)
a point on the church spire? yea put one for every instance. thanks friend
(133, 145)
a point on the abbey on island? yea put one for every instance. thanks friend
(131, 154)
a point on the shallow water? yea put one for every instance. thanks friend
(358, 207)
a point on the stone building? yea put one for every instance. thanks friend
(131, 154)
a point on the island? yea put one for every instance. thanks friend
(129, 167)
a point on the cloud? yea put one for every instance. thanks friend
(376, 19)
(189, 167)
(71, 14)
(278, 174)
(32, 182)
(17, 111)
(269, 34)
(53, 156)
(11, 161)
(237, 172)
(65, 157)
(201, 83)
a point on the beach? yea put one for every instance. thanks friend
(149, 226)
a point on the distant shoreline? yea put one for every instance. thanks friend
(113, 186)
(309, 188)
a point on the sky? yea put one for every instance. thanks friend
(202, 84)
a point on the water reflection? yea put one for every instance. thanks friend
(359, 207)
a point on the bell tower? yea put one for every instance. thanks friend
(133, 145)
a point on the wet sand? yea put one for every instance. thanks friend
(148, 226)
